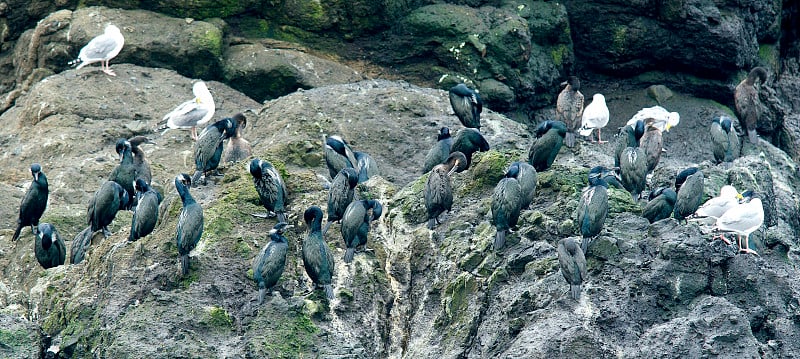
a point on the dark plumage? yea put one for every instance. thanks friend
(81, 243)
(105, 204)
(140, 163)
(340, 195)
(546, 144)
(633, 167)
(724, 140)
(440, 151)
(467, 105)
(146, 214)
(660, 204)
(439, 190)
(269, 263)
(367, 167)
(628, 136)
(469, 141)
(34, 203)
(652, 142)
(190, 222)
(125, 172)
(49, 247)
(338, 155)
(573, 265)
(238, 148)
(270, 187)
(317, 257)
(506, 205)
(208, 148)
(748, 106)
(593, 206)
(356, 222)
(527, 179)
(569, 108)
(689, 186)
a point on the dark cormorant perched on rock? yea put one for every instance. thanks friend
(49, 247)
(270, 187)
(506, 205)
(190, 221)
(653, 143)
(528, 179)
(467, 105)
(367, 167)
(317, 257)
(593, 206)
(338, 155)
(238, 148)
(208, 148)
(439, 190)
(146, 214)
(595, 116)
(629, 136)
(140, 163)
(633, 164)
(689, 186)
(469, 141)
(440, 151)
(748, 106)
(340, 195)
(269, 263)
(569, 108)
(102, 210)
(125, 172)
(34, 203)
(724, 140)
(546, 144)
(660, 204)
(356, 223)
(573, 265)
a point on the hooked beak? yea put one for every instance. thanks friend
(452, 170)
(36, 176)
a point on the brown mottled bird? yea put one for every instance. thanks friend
(748, 106)
(652, 142)
(569, 108)
(439, 190)
(238, 148)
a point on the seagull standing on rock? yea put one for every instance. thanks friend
(595, 116)
(190, 114)
(101, 49)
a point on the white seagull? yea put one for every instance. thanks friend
(101, 49)
(595, 115)
(742, 219)
(665, 120)
(192, 113)
(715, 207)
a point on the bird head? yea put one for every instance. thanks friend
(377, 208)
(255, 168)
(458, 161)
(36, 169)
(352, 176)
(140, 185)
(311, 214)
(444, 133)
(46, 233)
(183, 179)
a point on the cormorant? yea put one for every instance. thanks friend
(652, 142)
(238, 148)
(125, 172)
(356, 223)
(440, 151)
(340, 195)
(527, 179)
(317, 257)
(748, 106)
(724, 140)
(660, 204)
(506, 205)
(269, 263)
(190, 114)
(715, 207)
(146, 214)
(469, 141)
(743, 219)
(190, 221)
(467, 105)
(34, 203)
(208, 148)
(689, 186)
(102, 210)
(633, 166)
(270, 187)
(593, 206)
(338, 155)
(49, 247)
(81, 243)
(546, 144)
(569, 108)
(101, 49)
(367, 167)
(140, 163)
(595, 115)
(629, 136)
(573, 265)
(439, 190)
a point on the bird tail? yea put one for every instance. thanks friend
(261, 293)
(585, 244)
(196, 177)
(500, 240)
(185, 264)
(752, 135)
(329, 291)
(76, 62)
(349, 254)
(576, 291)
(16, 232)
(431, 223)
(281, 217)
(327, 225)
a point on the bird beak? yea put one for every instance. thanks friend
(564, 83)
(739, 196)
(36, 176)
(453, 169)
(197, 100)
(669, 125)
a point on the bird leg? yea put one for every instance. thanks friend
(722, 237)
(599, 140)
(107, 68)
(746, 248)
(194, 133)
(264, 215)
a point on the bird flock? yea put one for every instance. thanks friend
(637, 150)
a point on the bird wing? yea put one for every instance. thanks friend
(186, 115)
(98, 48)
(438, 191)
(742, 218)
(352, 220)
